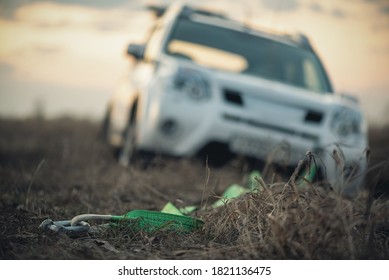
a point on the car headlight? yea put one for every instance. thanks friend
(193, 84)
(346, 122)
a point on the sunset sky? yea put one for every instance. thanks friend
(65, 57)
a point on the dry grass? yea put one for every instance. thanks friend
(309, 224)
(59, 169)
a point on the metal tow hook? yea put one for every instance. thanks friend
(65, 227)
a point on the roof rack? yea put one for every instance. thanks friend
(159, 11)
(301, 40)
(187, 10)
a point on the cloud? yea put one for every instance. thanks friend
(58, 17)
(8, 8)
(316, 7)
(48, 42)
(338, 13)
(381, 18)
(382, 5)
(384, 9)
(334, 12)
(102, 4)
(282, 5)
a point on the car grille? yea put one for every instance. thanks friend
(235, 98)
(314, 117)
(258, 124)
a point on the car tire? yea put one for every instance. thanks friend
(105, 125)
(128, 151)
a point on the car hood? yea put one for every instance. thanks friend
(278, 92)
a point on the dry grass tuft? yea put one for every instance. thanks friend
(309, 224)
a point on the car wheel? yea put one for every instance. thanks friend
(105, 125)
(127, 152)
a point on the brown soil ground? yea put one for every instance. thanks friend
(58, 169)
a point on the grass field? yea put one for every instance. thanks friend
(58, 169)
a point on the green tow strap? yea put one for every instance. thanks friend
(151, 221)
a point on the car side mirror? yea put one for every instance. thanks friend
(136, 50)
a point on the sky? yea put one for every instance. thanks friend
(65, 57)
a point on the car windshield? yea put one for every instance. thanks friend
(241, 52)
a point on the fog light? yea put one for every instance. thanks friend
(169, 127)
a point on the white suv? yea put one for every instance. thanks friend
(204, 82)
